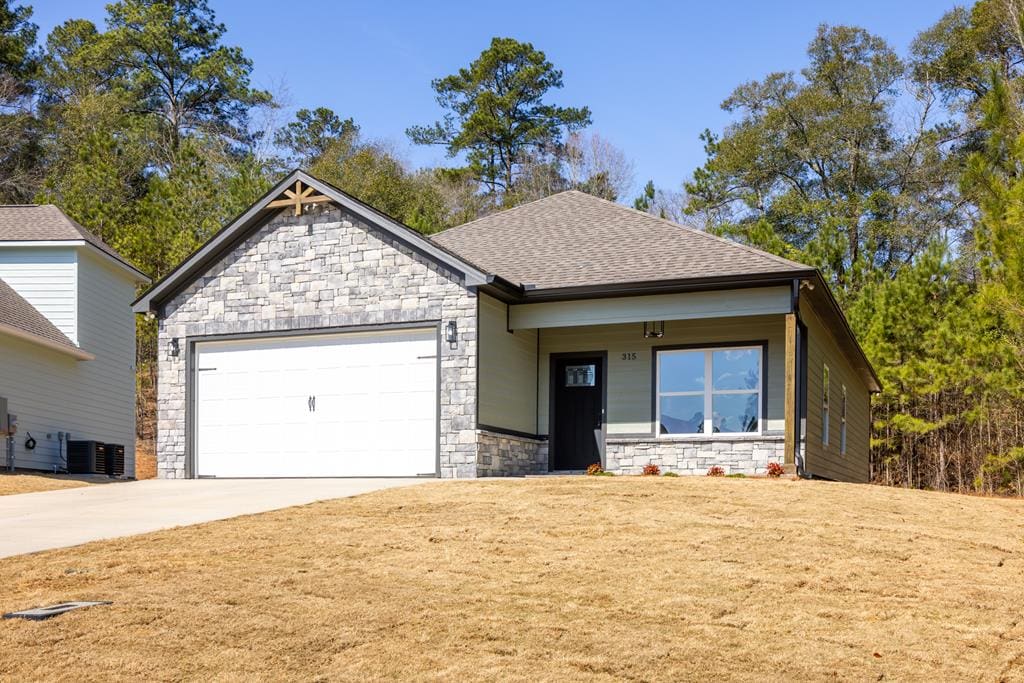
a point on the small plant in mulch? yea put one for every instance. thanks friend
(736, 475)
(595, 469)
(716, 471)
(775, 470)
(671, 474)
(651, 470)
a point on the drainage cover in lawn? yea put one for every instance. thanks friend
(40, 613)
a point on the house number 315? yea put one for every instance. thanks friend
(629, 355)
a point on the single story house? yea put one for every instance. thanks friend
(316, 336)
(67, 338)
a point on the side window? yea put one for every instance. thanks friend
(824, 405)
(842, 424)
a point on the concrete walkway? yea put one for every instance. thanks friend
(55, 519)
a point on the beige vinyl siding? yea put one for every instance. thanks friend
(825, 460)
(630, 380)
(52, 392)
(508, 371)
(688, 306)
(46, 277)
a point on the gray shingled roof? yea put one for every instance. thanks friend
(47, 223)
(574, 239)
(21, 315)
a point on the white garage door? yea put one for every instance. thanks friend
(346, 405)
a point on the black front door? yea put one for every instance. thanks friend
(577, 412)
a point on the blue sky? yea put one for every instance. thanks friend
(652, 73)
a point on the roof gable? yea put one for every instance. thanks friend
(268, 206)
(19, 317)
(47, 223)
(573, 239)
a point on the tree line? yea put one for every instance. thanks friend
(899, 176)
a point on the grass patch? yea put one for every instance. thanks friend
(19, 482)
(580, 578)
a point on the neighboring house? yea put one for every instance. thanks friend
(315, 336)
(67, 336)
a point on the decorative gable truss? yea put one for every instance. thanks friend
(298, 197)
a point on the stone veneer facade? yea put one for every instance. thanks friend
(736, 456)
(325, 269)
(507, 455)
(500, 455)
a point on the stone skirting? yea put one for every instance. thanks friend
(690, 456)
(502, 455)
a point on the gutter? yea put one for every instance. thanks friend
(526, 293)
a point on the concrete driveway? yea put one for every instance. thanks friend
(56, 519)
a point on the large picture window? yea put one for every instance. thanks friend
(709, 391)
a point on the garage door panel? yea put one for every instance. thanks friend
(375, 406)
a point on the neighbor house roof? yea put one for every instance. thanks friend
(20, 318)
(47, 223)
(573, 239)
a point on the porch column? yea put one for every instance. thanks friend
(790, 406)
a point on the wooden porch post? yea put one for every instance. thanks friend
(790, 403)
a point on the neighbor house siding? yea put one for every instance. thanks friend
(46, 277)
(508, 371)
(107, 330)
(52, 392)
(825, 460)
(630, 380)
(325, 269)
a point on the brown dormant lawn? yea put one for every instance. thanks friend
(12, 483)
(546, 579)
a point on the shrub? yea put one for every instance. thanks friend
(595, 469)
(716, 471)
(671, 474)
(651, 470)
(775, 470)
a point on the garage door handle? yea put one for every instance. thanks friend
(311, 404)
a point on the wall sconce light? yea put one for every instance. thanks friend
(175, 349)
(654, 330)
(451, 333)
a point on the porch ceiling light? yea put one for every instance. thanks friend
(654, 330)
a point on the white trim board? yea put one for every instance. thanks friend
(729, 303)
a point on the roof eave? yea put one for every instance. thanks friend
(137, 275)
(870, 376)
(528, 294)
(72, 351)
